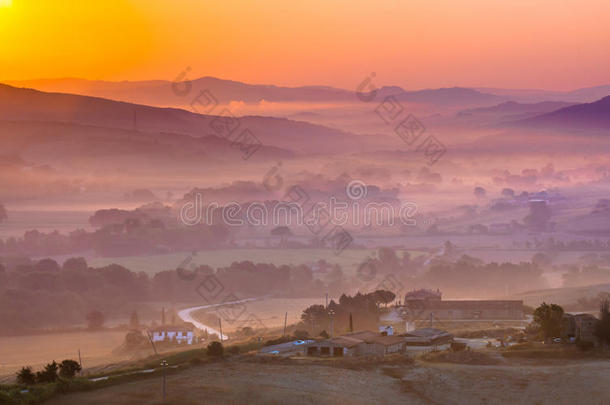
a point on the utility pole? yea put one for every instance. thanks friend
(331, 313)
(285, 320)
(80, 361)
(152, 343)
(326, 301)
(163, 366)
(220, 325)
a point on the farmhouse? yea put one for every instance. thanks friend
(357, 344)
(173, 333)
(428, 305)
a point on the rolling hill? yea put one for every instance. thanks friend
(588, 116)
(27, 105)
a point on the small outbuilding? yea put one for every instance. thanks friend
(361, 343)
(427, 337)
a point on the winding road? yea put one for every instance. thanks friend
(185, 315)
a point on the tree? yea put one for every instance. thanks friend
(49, 374)
(69, 368)
(26, 377)
(479, 192)
(602, 328)
(135, 339)
(283, 232)
(351, 323)
(75, 264)
(46, 265)
(548, 317)
(215, 349)
(95, 320)
(134, 321)
(541, 259)
(539, 216)
(508, 192)
(384, 297)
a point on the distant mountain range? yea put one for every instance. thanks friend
(589, 116)
(161, 92)
(584, 95)
(512, 107)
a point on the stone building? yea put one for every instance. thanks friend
(429, 305)
(364, 343)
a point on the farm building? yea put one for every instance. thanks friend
(365, 343)
(429, 305)
(427, 337)
(579, 327)
(173, 333)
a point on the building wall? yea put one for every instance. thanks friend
(585, 329)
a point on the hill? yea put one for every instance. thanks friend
(594, 115)
(27, 105)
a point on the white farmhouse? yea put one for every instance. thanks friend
(173, 333)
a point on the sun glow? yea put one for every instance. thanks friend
(6, 3)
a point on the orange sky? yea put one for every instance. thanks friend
(416, 43)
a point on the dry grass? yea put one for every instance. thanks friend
(470, 357)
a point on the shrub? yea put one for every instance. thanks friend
(215, 349)
(26, 377)
(49, 374)
(301, 334)
(602, 328)
(69, 368)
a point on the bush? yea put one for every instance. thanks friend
(26, 376)
(215, 349)
(282, 339)
(301, 334)
(49, 374)
(69, 368)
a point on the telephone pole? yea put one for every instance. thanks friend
(285, 320)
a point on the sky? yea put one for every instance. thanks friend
(545, 44)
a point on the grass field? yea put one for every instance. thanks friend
(274, 382)
(37, 350)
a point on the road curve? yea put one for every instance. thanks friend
(185, 315)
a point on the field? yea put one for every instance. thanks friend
(349, 259)
(37, 350)
(274, 382)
